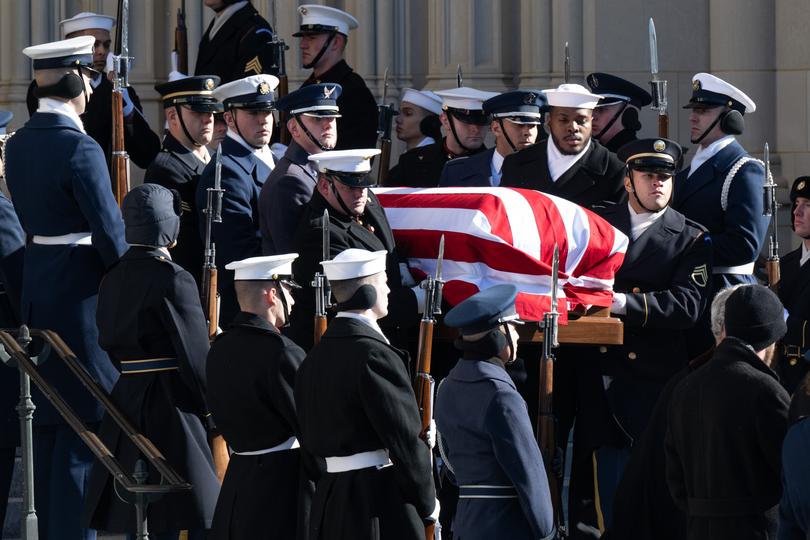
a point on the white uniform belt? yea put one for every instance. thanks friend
(289, 444)
(743, 269)
(355, 462)
(78, 238)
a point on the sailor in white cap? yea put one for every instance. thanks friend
(324, 32)
(570, 163)
(722, 188)
(417, 123)
(465, 126)
(356, 220)
(251, 374)
(77, 238)
(356, 410)
(236, 43)
(246, 163)
(142, 144)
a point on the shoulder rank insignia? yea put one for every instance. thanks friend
(700, 275)
(254, 65)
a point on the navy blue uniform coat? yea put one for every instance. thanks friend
(794, 292)
(468, 171)
(237, 237)
(487, 437)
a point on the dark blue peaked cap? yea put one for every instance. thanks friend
(617, 90)
(652, 155)
(528, 105)
(314, 100)
(484, 310)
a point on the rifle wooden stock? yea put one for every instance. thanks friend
(320, 328)
(119, 160)
(547, 436)
(423, 387)
(181, 44)
(774, 274)
(385, 161)
(663, 126)
(219, 451)
(209, 299)
(283, 90)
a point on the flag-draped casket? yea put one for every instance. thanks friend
(504, 235)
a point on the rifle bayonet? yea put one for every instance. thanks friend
(459, 78)
(770, 207)
(658, 87)
(567, 65)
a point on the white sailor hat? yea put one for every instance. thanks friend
(73, 52)
(272, 268)
(317, 19)
(86, 20)
(710, 91)
(351, 167)
(253, 92)
(423, 98)
(466, 104)
(574, 96)
(354, 263)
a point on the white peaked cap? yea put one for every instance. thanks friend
(354, 263)
(465, 98)
(712, 83)
(86, 20)
(315, 16)
(254, 85)
(263, 268)
(423, 98)
(574, 96)
(82, 45)
(348, 161)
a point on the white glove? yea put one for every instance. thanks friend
(129, 106)
(619, 304)
(430, 435)
(434, 516)
(420, 298)
(405, 274)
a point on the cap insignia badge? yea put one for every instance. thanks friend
(209, 84)
(659, 145)
(264, 88)
(529, 99)
(327, 92)
(696, 85)
(800, 185)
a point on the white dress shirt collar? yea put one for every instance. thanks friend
(50, 105)
(704, 154)
(223, 16)
(364, 319)
(559, 163)
(641, 222)
(426, 141)
(262, 153)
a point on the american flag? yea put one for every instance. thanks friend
(504, 235)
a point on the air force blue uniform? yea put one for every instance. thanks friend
(468, 171)
(69, 192)
(238, 236)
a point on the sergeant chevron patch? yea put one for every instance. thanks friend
(700, 275)
(254, 65)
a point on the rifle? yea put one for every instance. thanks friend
(279, 68)
(546, 421)
(181, 40)
(567, 65)
(770, 208)
(323, 292)
(658, 87)
(387, 113)
(213, 214)
(424, 385)
(119, 161)
(459, 78)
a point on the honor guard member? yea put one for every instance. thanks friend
(417, 123)
(152, 325)
(190, 106)
(235, 44)
(246, 164)
(722, 189)
(465, 123)
(615, 118)
(251, 374)
(141, 143)
(324, 32)
(356, 220)
(486, 437)
(726, 424)
(660, 291)
(75, 232)
(312, 114)
(569, 164)
(515, 118)
(357, 411)
(794, 292)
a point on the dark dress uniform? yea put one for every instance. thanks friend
(12, 251)
(358, 126)
(422, 166)
(597, 177)
(468, 171)
(238, 49)
(620, 139)
(726, 424)
(373, 234)
(283, 199)
(141, 143)
(353, 395)
(176, 167)
(237, 237)
(794, 508)
(149, 308)
(615, 90)
(251, 373)
(794, 292)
